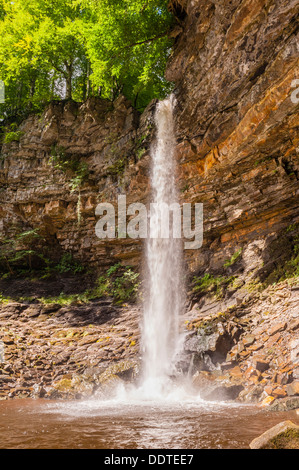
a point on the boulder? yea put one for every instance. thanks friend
(216, 388)
(215, 341)
(252, 394)
(285, 404)
(284, 435)
(222, 392)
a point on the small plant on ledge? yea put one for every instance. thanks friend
(233, 258)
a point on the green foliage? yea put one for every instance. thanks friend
(288, 439)
(125, 287)
(233, 258)
(81, 175)
(113, 269)
(210, 284)
(286, 270)
(17, 252)
(64, 299)
(185, 188)
(292, 227)
(12, 137)
(68, 264)
(58, 158)
(130, 48)
(120, 283)
(5, 299)
(23, 254)
(63, 162)
(77, 48)
(117, 168)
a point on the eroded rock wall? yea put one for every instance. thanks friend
(233, 66)
(41, 180)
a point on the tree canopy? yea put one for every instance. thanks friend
(73, 49)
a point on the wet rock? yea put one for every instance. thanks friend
(252, 394)
(285, 404)
(225, 392)
(212, 387)
(267, 401)
(284, 435)
(38, 391)
(215, 341)
(125, 370)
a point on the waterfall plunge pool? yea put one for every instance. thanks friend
(95, 424)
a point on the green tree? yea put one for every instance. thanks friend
(75, 48)
(128, 47)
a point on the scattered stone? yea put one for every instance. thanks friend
(277, 328)
(279, 392)
(236, 372)
(267, 401)
(293, 388)
(261, 364)
(294, 325)
(7, 340)
(248, 340)
(256, 347)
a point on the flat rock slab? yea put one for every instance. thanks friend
(284, 435)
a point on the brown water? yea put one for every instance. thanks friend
(36, 424)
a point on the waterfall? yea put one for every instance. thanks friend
(162, 305)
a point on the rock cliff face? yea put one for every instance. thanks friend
(233, 66)
(66, 162)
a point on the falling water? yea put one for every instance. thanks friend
(160, 330)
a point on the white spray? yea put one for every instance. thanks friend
(160, 329)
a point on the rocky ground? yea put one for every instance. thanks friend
(250, 350)
(56, 351)
(247, 351)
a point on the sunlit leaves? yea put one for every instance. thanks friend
(113, 45)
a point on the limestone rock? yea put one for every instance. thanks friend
(284, 435)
